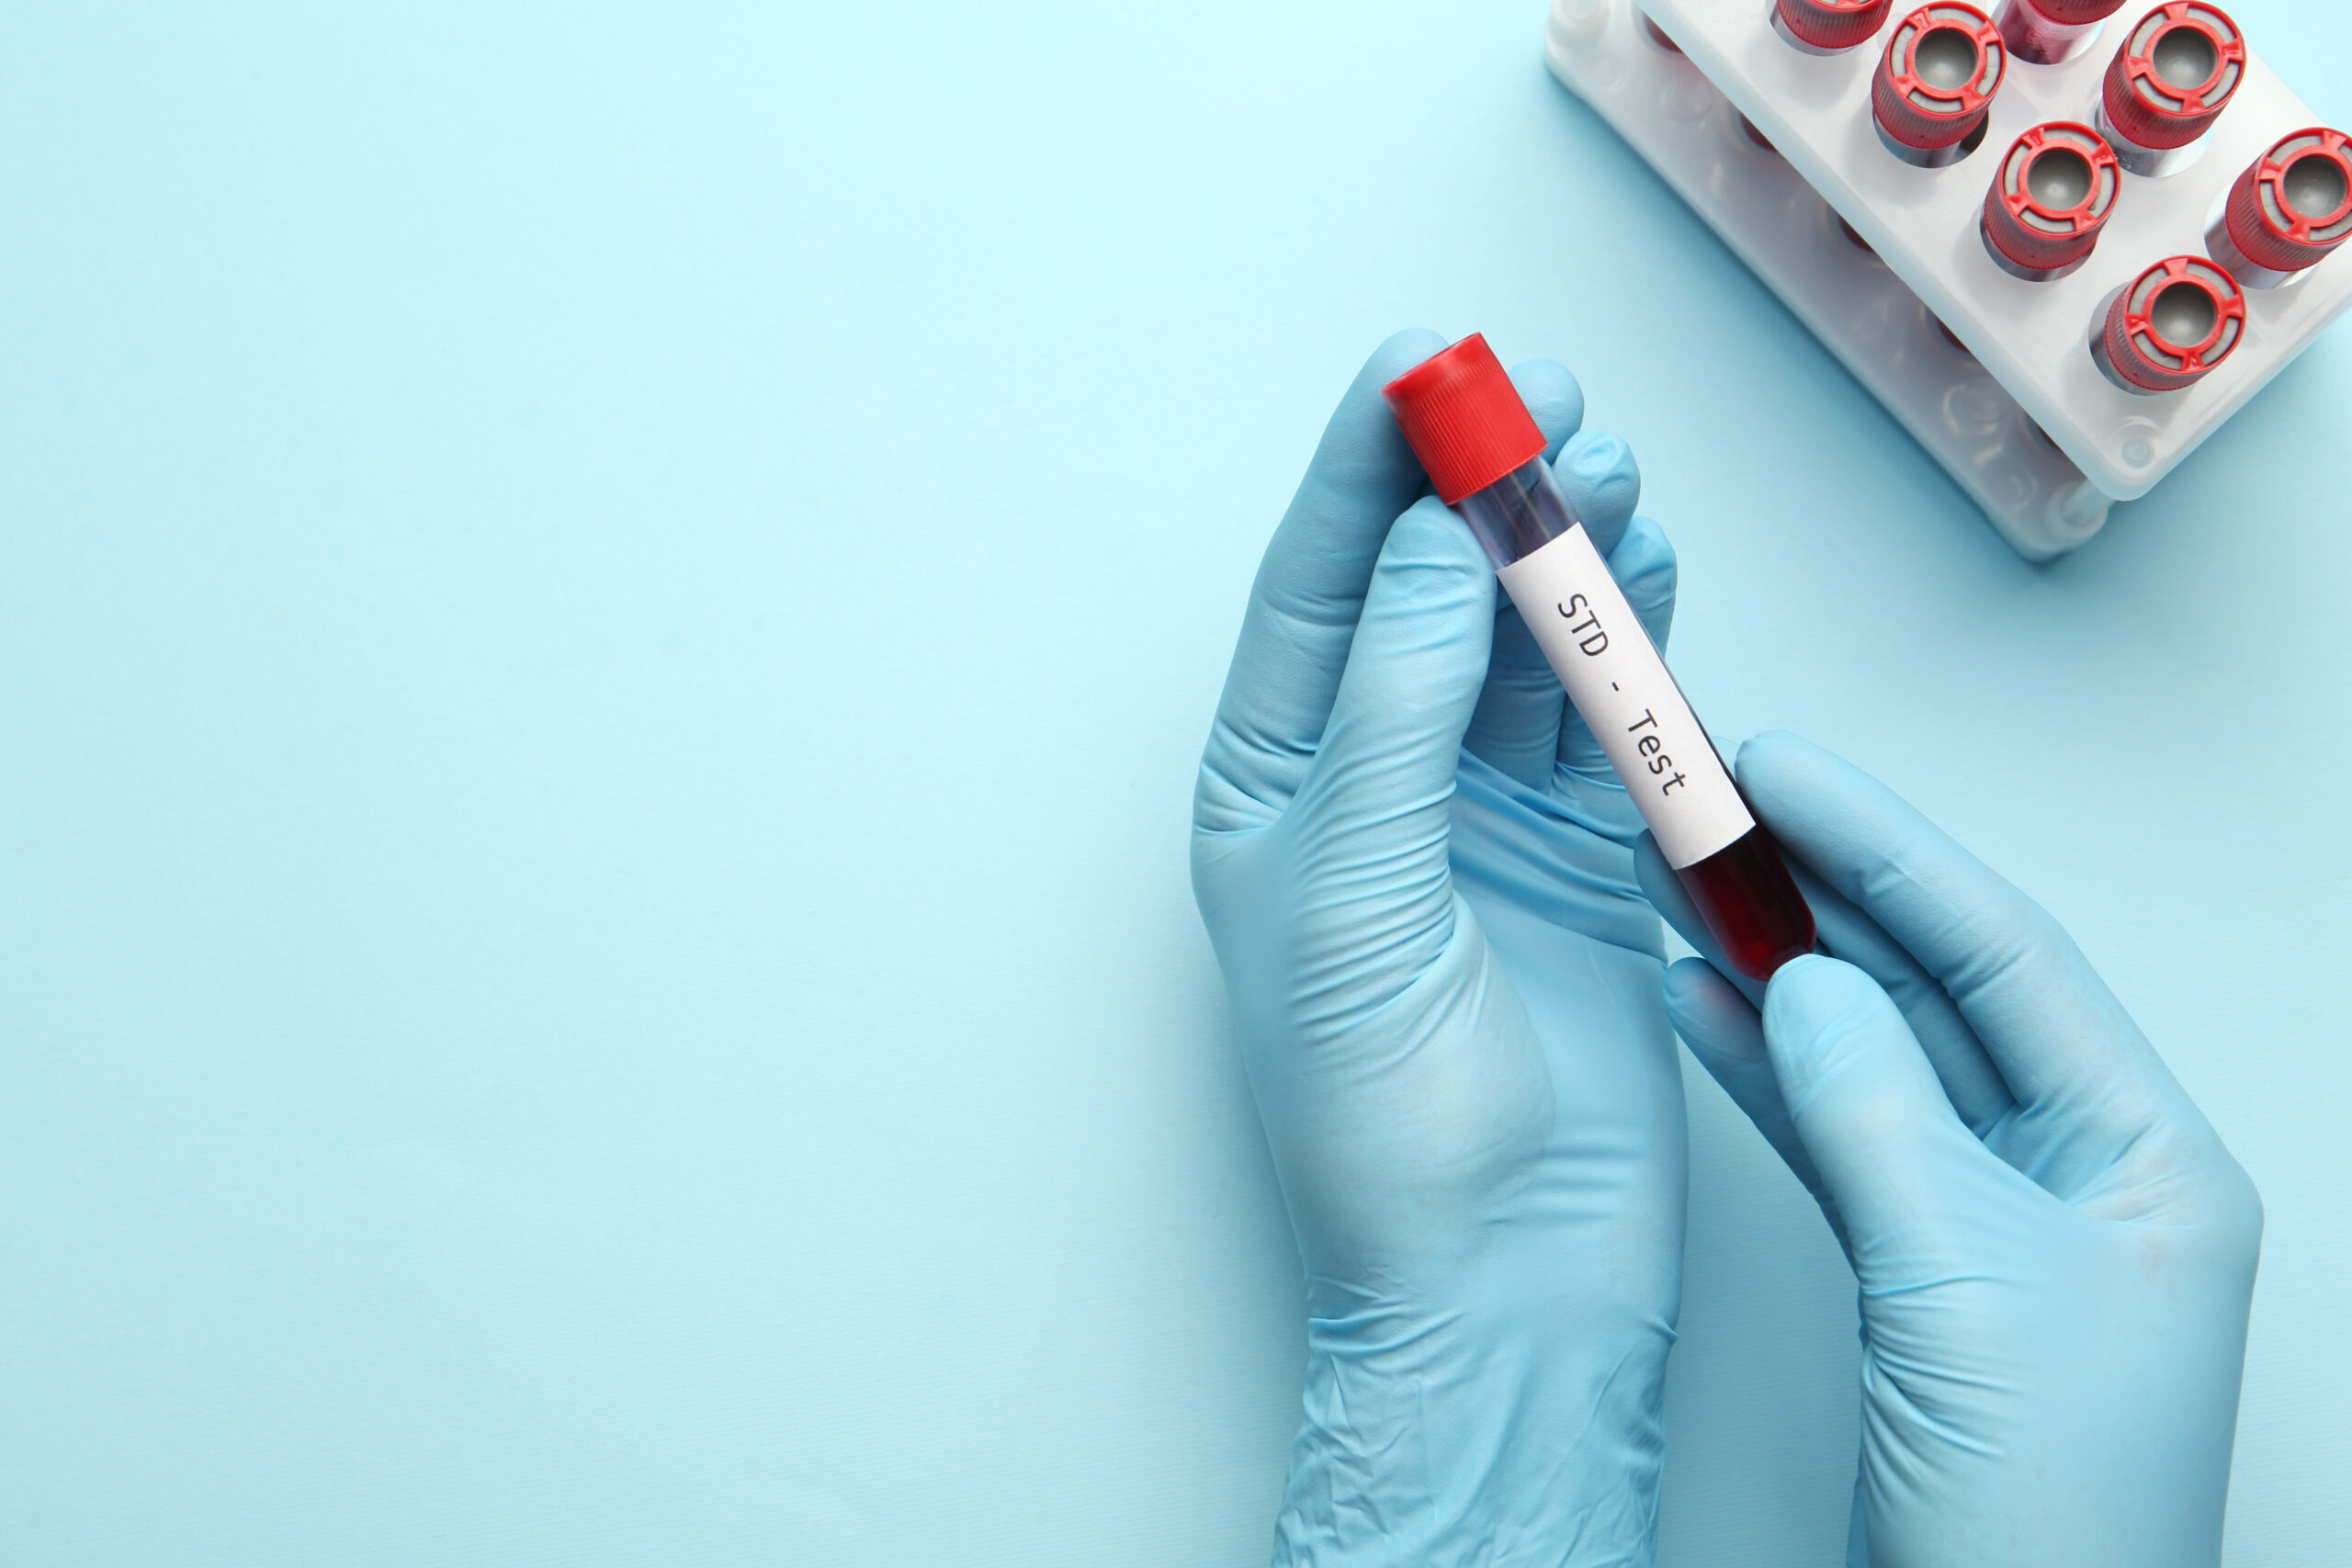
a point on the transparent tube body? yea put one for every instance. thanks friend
(1726, 859)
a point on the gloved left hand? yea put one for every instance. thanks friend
(1416, 869)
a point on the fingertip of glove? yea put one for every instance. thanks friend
(1398, 353)
(1645, 558)
(1596, 471)
(1600, 456)
(1691, 985)
(1553, 395)
(1431, 562)
(1710, 1016)
(1427, 533)
(1818, 997)
(1776, 759)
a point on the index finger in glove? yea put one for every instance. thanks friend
(2060, 1039)
(1307, 595)
(1971, 1081)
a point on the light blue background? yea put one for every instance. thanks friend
(604, 626)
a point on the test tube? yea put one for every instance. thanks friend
(2287, 210)
(2169, 81)
(2170, 326)
(2049, 200)
(1484, 455)
(2048, 31)
(1828, 26)
(1931, 96)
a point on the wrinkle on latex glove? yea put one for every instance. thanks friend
(2055, 1254)
(1445, 986)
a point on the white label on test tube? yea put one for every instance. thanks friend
(1621, 686)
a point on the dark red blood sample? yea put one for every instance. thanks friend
(1751, 905)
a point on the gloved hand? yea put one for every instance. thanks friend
(1446, 984)
(2056, 1254)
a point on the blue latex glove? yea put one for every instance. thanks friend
(1445, 983)
(2056, 1254)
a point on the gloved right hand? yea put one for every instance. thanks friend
(2056, 1254)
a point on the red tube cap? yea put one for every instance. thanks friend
(2173, 74)
(2050, 199)
(1831, 25)
(2294, 205)
(2173, 323)
(1464, 419)
(1937, 82)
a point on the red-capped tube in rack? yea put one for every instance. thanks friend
(2049, 200)
(1933, 90)
(2288, 208)
(1828, 26)
(1484, 455)
(2171, 325)
(2048, 31)
(2171, 78)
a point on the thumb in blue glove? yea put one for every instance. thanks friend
(2056, 1254)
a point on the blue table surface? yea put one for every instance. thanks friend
(607, 618)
